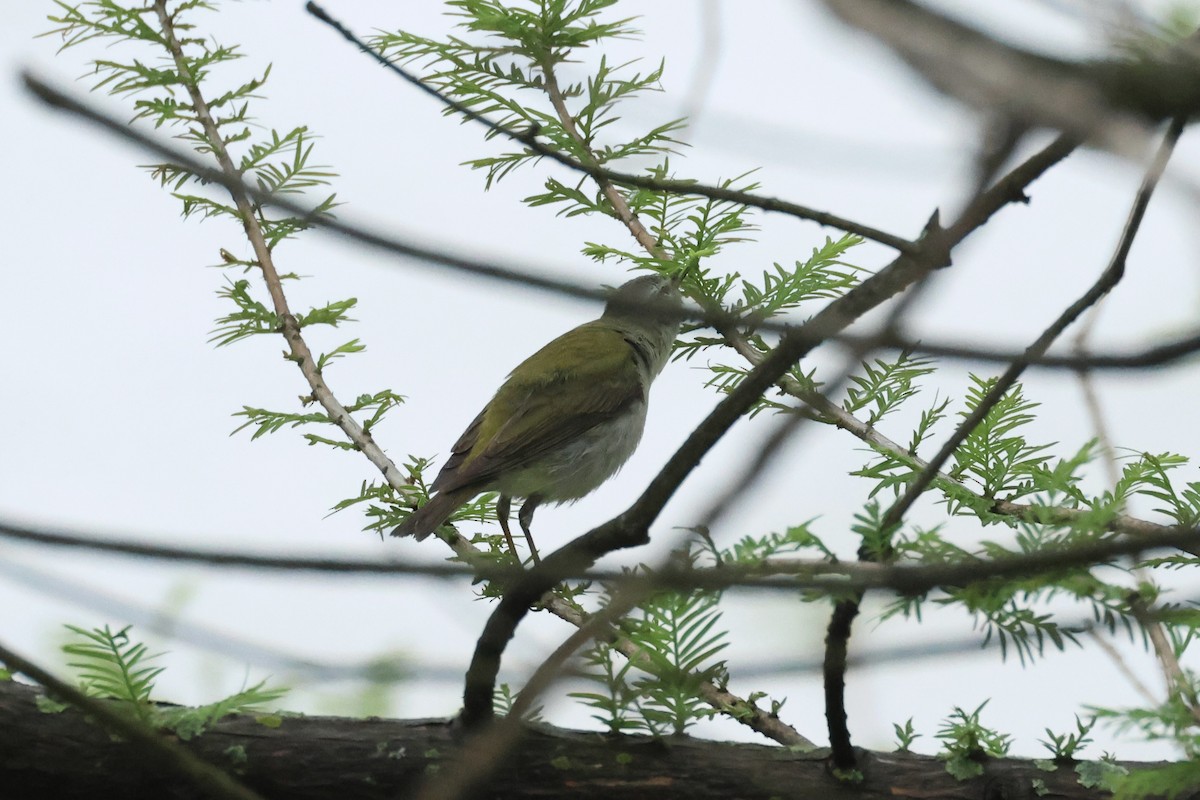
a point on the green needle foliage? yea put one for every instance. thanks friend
(614, 704)
(678, 630)
(167, 69)
(885, 385)
(1064, 747)
(680, 635)
(112, 665)
(966, 742)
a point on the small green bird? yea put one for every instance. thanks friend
(567, 418)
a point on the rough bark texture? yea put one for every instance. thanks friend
(64, 756)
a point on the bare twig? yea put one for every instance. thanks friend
(709, 56)
(1159, 355)
(1091, 398)
(224, 558)
(1122, 666)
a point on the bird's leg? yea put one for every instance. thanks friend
(525, 516)
(503, 509)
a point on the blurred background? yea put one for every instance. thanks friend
(115, 417)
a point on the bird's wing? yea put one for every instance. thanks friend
(582, 378)
(447, 477)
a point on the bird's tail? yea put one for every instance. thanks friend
(429, 517)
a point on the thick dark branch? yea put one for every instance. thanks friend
(833, 674)
(154, 753)
(1110, 104)
(65, 757)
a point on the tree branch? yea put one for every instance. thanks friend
(298, 351)
(800, 573)
(1024, 88)
(528, 138)
(1178, 683)
(318, 758)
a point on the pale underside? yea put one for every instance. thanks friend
(580, 465)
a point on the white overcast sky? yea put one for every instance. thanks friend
(116, 411)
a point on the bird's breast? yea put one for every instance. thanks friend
(579, 466)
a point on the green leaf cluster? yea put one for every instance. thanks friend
(503, 702)
(502, 73)
(113, 666)
(823, 275)
(967, 742)
(264, 421)
(165, 89)
(680, 637)
(906, 734)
